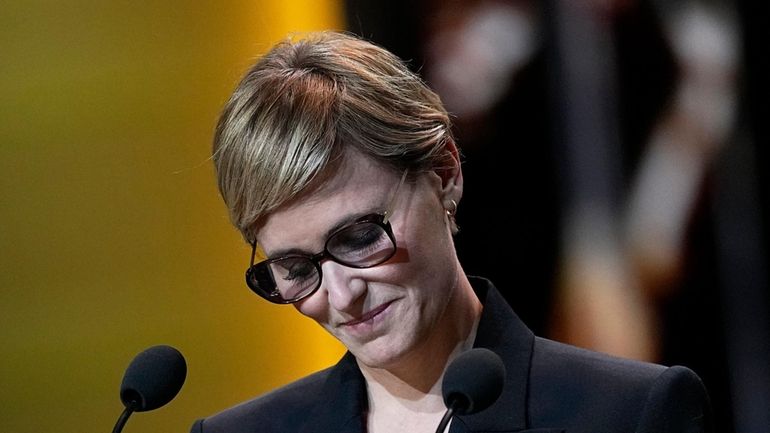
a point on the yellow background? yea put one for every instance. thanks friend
(112, 234)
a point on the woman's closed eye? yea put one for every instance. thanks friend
(359, 242)
(298, 269)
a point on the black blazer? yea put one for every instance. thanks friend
(549, 387)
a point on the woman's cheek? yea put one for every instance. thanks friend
(314, 307)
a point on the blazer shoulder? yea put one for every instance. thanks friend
(677, 402)
(555, 363)
(581, 388)
(273, 411)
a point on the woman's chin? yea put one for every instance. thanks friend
(381, 356)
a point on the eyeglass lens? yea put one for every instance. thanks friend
(360, 245)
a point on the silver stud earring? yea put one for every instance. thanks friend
(452, 210)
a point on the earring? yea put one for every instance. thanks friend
(452, 209)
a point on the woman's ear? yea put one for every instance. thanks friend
(451, 178)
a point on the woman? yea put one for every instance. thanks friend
(338, 166)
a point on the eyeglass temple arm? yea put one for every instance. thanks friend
(254, 248)
(253, 251)
(392, 203)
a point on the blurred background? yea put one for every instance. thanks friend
(616, 190)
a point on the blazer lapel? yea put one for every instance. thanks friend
(343, 404)
(501, 331)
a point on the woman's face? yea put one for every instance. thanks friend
(382, 313)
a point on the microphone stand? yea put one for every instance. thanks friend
(124, 416)
(447, 416)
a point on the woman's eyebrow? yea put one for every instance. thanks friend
(350, 219)
(347, 220)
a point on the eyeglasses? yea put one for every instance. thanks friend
(366, 242)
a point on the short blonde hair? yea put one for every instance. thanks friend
(303, 103)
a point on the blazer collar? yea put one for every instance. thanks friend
(501, 331)
(343, 401)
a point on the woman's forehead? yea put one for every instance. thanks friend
(358, 186)
(354, 178)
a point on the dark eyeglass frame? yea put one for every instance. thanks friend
(317, 259)
(380, 219)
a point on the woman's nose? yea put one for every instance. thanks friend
(343, 287)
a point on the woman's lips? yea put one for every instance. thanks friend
(371, 314)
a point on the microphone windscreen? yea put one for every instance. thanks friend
(153, 378)
(473, 381)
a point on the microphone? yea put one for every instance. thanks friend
(152, 379)
(472, 382)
